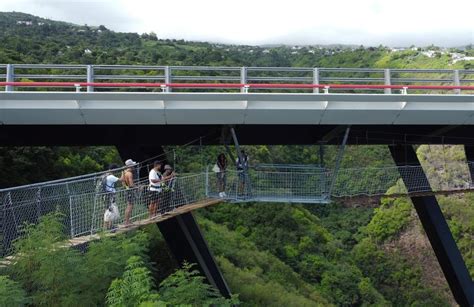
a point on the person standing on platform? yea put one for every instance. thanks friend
(242, 163)
(111, 213)
(130, 191)
(169, 181)
(155, 179)
(221, 174)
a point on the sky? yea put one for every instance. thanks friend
(260, 22)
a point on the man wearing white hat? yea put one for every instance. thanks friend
(129, 189)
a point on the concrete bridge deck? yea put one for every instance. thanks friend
(55, 108)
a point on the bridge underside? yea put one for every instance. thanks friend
(141, 141)
(147, 135)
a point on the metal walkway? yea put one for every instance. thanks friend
(83, 207)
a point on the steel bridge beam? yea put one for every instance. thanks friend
(437, 230)
(181, 233)
(187, 243)
(126, 135)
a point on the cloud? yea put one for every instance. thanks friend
(104, 12)
(367, 22)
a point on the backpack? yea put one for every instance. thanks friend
(241, 165)
(101, 184)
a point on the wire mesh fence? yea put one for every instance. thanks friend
(272, 185)
(84, 206)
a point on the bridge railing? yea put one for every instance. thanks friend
(58, 77)
(84, 206)
(290, 184)
(87, 209)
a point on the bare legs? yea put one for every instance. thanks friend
(152, 209)
(128, 213)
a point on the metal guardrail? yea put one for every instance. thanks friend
(242, 78)
(83, 204)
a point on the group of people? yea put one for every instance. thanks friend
(161, 181)
(220, 168)
(159, 187)
(160, 184)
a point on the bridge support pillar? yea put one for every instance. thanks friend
(181, 233)
(437, 230)
(184, 238)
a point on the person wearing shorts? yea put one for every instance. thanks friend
(155, 180)
(130, 191)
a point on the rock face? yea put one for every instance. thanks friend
(413, 245)
(445, 165)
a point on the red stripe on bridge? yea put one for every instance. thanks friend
(237, 85)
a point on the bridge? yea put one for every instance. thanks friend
(83, 204)
(124, 105)
(229, 98)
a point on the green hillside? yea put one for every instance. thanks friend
(271, 254)
(46, 41)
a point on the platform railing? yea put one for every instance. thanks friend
(83, 204)
(178, 78)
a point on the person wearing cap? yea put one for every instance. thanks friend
(130, 192)
(168, 187)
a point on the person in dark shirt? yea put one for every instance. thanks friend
(242, 167)
(221, 174)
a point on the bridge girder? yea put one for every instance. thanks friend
(147, 135)
(437, 229)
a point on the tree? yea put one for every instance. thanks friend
(186, 286)
(11, 293)
(48, 273)
(135, 286)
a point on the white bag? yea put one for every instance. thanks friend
(216, 168)
(111, 215)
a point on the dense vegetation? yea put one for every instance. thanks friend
(46, 41)
(116, 271)
(275, 255)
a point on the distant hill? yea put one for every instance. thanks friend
(25, 38)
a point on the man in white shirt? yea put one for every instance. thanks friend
(111, 180)
(155, 179)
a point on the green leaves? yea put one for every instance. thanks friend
(389, 219)
(11, 293)
(112, 270)
(35, 164)
(135, 286)
(52, 274)
(185, 287)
